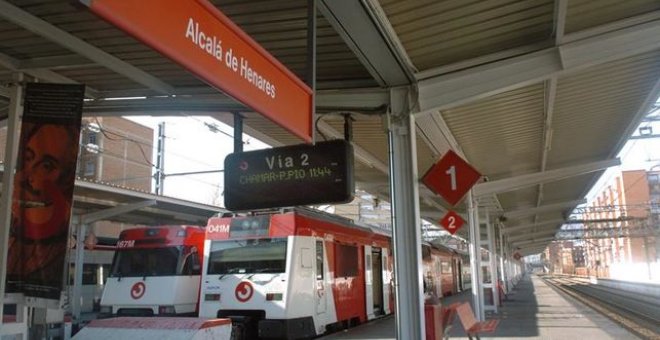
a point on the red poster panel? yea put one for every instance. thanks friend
(451, 177)
(200, 38)
(452, 222)
(43, 189)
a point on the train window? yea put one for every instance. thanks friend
(248, 256)
(89, 275)
(346, 260)
(446, 267)
(146, 262)
(191, 265)
(319, 260)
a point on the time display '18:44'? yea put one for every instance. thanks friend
(319, 172)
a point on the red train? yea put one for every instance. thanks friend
(301, 273)
(446, 271)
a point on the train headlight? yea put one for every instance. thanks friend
(212, 297)
(274, 297)
(163, 310)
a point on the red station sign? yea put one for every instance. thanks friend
(451, 177)
(452, 222)
(200, 38)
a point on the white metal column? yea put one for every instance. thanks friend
(491, 264)
(502, 259)
(475, 259)
(11, 152)
(78, 271)
(405, 218)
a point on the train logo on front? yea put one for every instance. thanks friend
(138, 289)
(244, 291)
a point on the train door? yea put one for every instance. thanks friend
(377, 280)
(320, 294)
(368, 282)
(387, 275)
(459, 275)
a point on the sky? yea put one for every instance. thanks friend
(637, 154)
(191, 145)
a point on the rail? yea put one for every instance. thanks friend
(639, 313)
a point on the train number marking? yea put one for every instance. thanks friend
(218, 228)
(126, 244)
(244, 291)
(138, 289)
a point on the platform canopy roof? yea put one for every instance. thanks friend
(538, 95)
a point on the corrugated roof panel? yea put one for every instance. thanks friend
(501, 136)
(519, 199)
(281, 28)
(583, 14)
(442, 32)
(595, 107)
(567, 189)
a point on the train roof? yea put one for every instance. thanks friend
(317, 214)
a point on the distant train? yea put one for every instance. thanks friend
(155, 272)
(445, 271)
(302, 273)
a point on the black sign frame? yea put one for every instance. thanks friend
(287, 176)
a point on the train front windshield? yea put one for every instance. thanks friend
(248, 256)
(146, 262)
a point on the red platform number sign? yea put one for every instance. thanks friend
(452, 222)
(517, 256)
(451, 177)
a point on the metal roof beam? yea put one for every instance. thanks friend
(352, 100)
(534, 249)
(449, 90)
(55, 62)
(42, 74)
(519, 182)
(520, 213)
(114, 211)
(533, 241)
(511, 230)
(361, 154)
(365, 29)
(326, 100)
(521, 237)
(42, 28)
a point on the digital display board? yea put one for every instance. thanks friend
(290, 176)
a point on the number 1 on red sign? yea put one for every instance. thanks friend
(452, 174)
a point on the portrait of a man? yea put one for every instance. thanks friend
(42, 197)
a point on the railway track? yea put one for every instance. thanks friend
(638, 313)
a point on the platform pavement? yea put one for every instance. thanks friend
(533, 310)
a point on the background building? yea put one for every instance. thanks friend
(620, 231)
(118, 152)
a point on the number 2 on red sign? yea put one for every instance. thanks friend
(452, 221)
(452, 174)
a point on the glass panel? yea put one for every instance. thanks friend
(248, 256)
(346, 259)
(146, 262)
(319, 260)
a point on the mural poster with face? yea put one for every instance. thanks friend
(43, 189)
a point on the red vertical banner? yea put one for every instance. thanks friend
(43, 189)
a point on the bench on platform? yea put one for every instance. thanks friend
(448, 317)
(471, 325)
